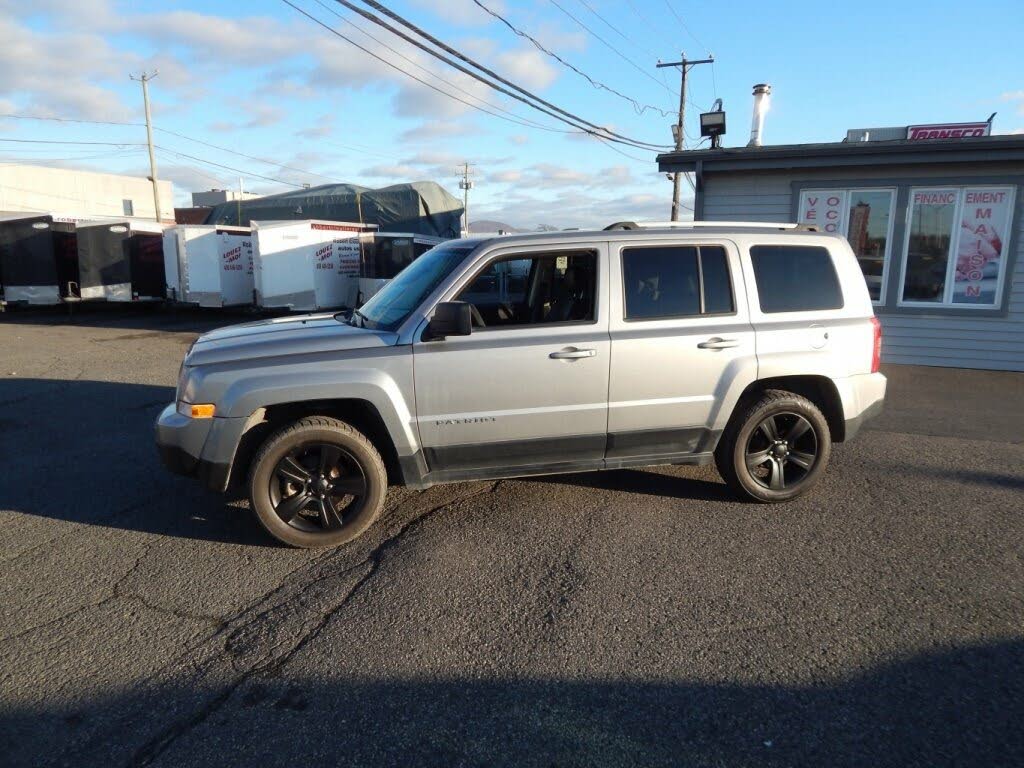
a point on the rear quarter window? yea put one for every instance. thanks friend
(795, 278)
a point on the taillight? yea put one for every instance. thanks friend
(876, 350)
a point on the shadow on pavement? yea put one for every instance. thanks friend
(641, 481)
(155, 317)
(955, 708)
(83, 452)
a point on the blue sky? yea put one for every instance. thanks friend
(261, 79)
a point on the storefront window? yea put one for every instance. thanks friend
(865, 217)
(956, 245)
(932, 213)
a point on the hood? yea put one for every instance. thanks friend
(302, 334)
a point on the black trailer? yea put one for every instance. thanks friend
(38, 258)
(121, 261)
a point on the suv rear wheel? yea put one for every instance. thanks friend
(776, 449)
(317, 483)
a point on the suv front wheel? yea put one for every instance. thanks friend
(777, 448)
(317, 483)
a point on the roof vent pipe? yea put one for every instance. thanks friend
(762, 92)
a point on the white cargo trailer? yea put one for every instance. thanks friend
(385, 254)
(307, 265)
(207, 265)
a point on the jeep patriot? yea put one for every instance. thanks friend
(753, 346)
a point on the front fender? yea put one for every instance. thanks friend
(377, 388)
(383, 380)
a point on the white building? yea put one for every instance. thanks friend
(217, 196)
(81, 194)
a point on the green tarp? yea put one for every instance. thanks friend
(422, 208)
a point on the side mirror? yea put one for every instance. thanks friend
(451, 318)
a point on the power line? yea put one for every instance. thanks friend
(611, 47)
(242, 154)
(616, 30)
(516, 118)
(653, 27)
(574, 120)
(227, 167)
(394, 66)
(86, 143)
(71, 120)
(683, 24)
(161, 130)
(637, 106)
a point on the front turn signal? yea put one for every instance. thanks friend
(202, 410)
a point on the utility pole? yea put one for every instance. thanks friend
(144, 78)
(684, 65)
(466, 184)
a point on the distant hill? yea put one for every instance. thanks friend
(485, 225)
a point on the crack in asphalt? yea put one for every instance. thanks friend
(245, 642)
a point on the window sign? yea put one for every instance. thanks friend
(930, 234)
(824, 208)
(956, 245)
(865, 216)
(981, 248)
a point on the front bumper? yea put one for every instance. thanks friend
(200, 448)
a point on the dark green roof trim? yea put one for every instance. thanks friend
(982, 149)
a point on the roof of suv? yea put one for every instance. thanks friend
(643, 231)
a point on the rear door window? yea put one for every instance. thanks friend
(676, 281)
(795, 278)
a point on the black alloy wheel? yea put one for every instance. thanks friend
(317, 487)
(782, 451)
(318, 482)
(775, 447)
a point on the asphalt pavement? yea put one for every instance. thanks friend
(628, 618)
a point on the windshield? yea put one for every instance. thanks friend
(389, 308)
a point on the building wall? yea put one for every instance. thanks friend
(214, 197)
(941, 338)
(80, 194)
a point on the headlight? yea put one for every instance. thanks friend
(182, 375)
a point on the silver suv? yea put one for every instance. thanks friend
(751, 345)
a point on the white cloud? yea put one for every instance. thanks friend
(569, 209)
(434, 129)
(465, 13)
(504, 177)
(519, 139)
(528, 67)
(1017, 96)
(74, 83)
(392, 171)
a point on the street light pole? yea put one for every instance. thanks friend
(144, 78)
(679, 133)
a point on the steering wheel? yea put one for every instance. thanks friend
(477, 317)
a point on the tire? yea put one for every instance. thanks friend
(791, 462)
(317, 483)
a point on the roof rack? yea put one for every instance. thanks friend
(627, 225)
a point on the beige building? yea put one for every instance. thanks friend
(217, 196)
(81, 194)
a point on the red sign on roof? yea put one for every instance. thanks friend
(947, 131)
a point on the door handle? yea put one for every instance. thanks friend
(716, 342)
(572, 353)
